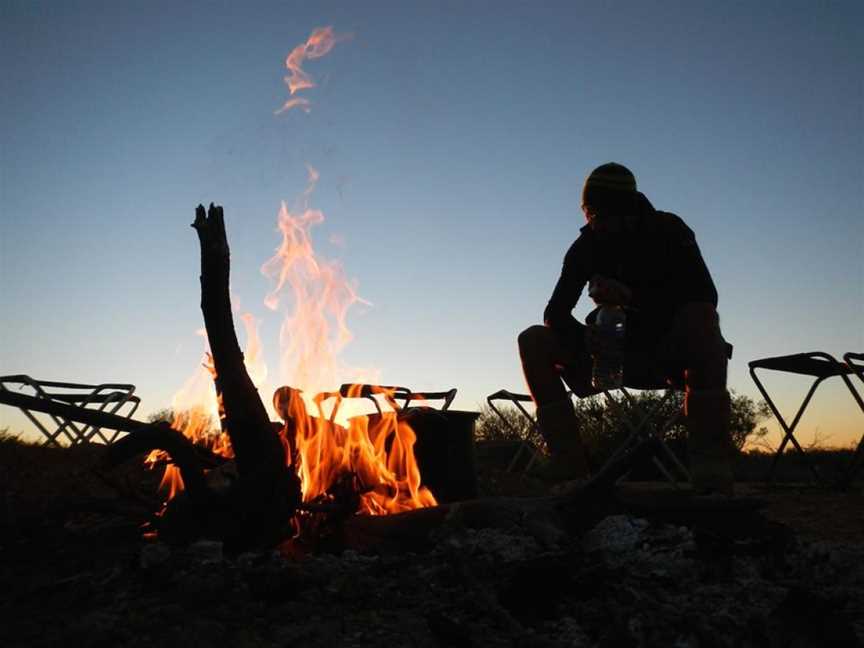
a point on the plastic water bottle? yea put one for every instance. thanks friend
(608, 370)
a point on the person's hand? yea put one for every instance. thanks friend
(608, 291)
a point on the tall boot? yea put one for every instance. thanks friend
(707, 413)
(560, 429)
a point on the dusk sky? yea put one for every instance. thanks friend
(452, 140)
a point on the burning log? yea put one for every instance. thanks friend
(258, 507)
(184, 454)
(268, 491)
(189, 458)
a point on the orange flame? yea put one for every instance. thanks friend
(197, 411)
(297, 102)
(172, 481)
(319, 43)
(313, 335)
(252, 357)
(375, 451)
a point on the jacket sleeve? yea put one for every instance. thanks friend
(694, 283)
(574, 275)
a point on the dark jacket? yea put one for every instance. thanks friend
(659, 261)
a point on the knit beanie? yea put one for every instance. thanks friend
(609, 184)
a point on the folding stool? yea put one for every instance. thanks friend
(647, 428)
(107, 397)
(534, 442)
(820, 366)
(642, 430)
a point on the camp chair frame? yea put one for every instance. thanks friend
(534, 442)
(640, 431)
(391, 394)
(111, 398)
(820, 366)
(647, 429)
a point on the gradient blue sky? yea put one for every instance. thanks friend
(452, 139)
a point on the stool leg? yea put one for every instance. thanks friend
(789, 430)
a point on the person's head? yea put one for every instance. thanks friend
(609, 198)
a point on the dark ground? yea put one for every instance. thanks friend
(75, 570)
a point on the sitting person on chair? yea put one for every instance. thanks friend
(648, 262)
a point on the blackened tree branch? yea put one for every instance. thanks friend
(183, 453)
(270, 490)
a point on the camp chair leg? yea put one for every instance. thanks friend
(788, 430)
(534, 431)
(663, 470)
(639, 432)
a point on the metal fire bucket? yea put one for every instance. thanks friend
(445, 451)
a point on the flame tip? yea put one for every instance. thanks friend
(319, 43)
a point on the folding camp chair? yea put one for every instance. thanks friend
(820, 366)
(113, 398)
(643, 429)
(649, 426)
(530, 445)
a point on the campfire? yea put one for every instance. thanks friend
(231, 470)
(344, 462)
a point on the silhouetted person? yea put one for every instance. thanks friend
(647, 261)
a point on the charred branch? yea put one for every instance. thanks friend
(142, 438)
(184, 454)
(270, 491)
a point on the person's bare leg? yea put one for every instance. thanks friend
(542, 355)
(707, 405)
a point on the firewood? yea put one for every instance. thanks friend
(269, 490)
(184, 454)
